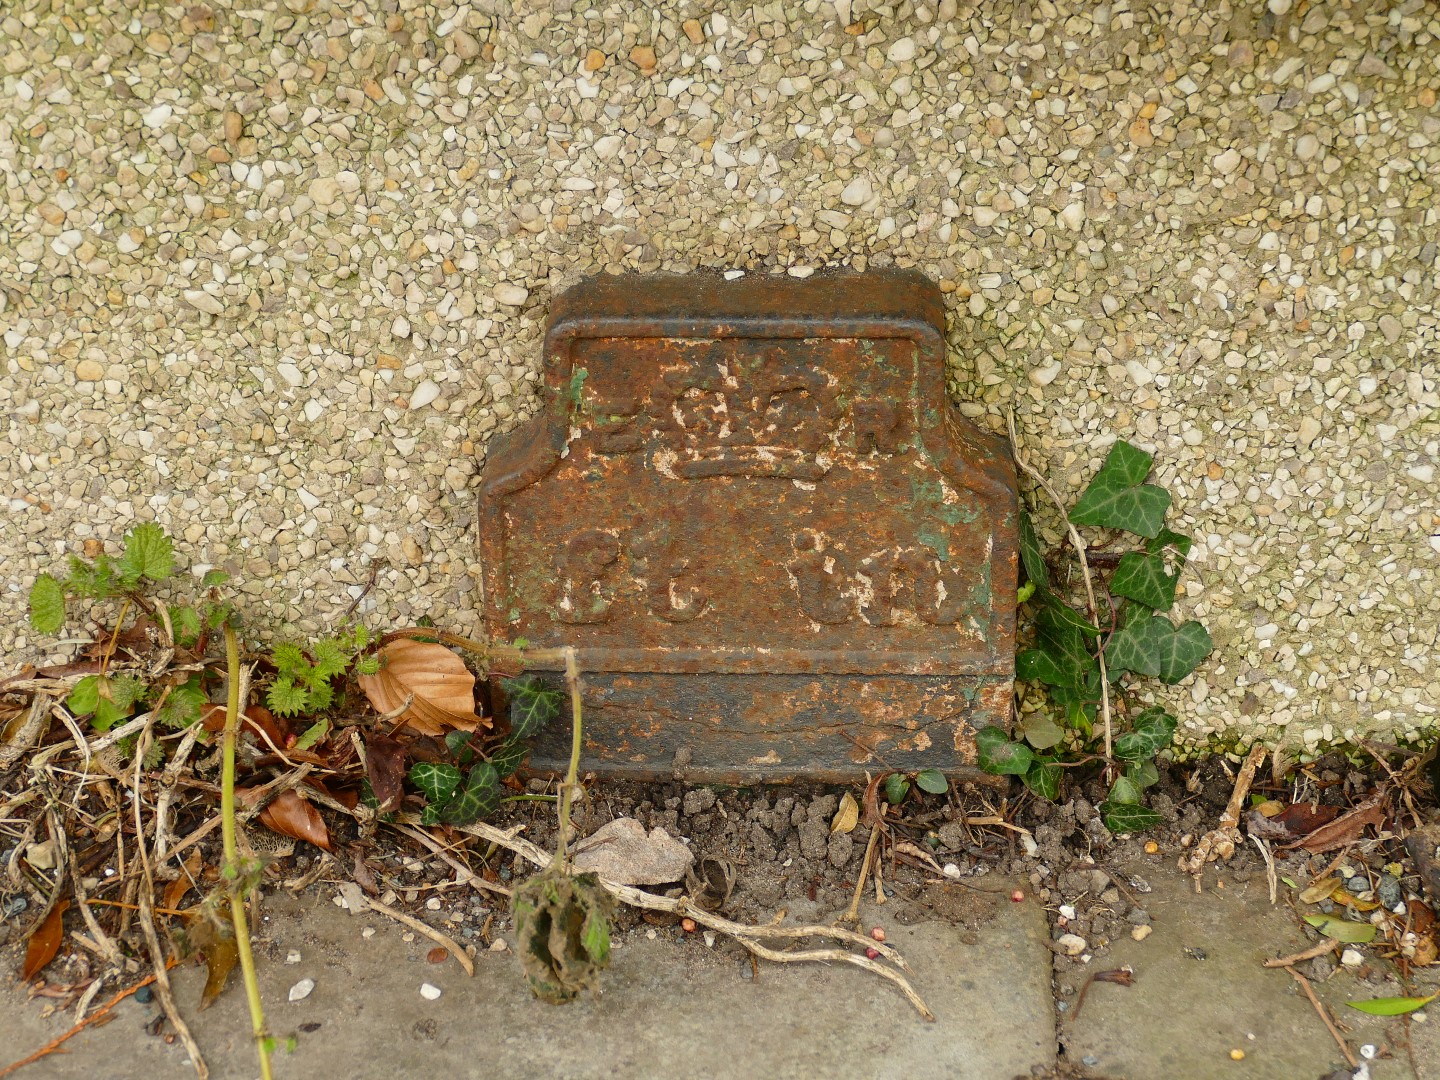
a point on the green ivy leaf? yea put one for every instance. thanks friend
(430, 815)
(932, 781)
(285, 698)
(47, 604)
(435, 780)
(896, 788)
(460, 746)
(85, 696)
(1128, 817)
(148, 553)
(1156, 646)
(1040, 731)
(1032, 559)
(509, 756)
(479, 797)
(1142, 577)
(1151, 732)
(996, 753)
(1118, 497)
(1037, 665)
(1124, 792)
(1143, 773)
(532, 705)
(185, 625)
(1043, 778)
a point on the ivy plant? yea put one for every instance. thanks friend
(1131, 631)
(468, 788)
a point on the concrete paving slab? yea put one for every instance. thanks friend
(1200, 992)
(670, 1008)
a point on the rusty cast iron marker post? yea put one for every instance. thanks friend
(779, 548)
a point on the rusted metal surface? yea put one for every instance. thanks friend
(779, 548)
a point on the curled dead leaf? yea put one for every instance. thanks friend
(847, 816)
(290, 815)
(436, 684)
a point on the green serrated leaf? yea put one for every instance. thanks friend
(92, 581)
(1142, 577)
(216, 615)
(1351, 933)
(1128, 817)
(183, 704)
(367, 665)
(148, 553)
(126, 690)
(1043, 778)
(285, 698)
(312, 735)
(1040, 730)
(509, 756)
(1032, 559)
(896, 788)
(1393, 1006)
(479, 797)
(1118, 497)
(435, 780)
(84, 697)
(319, 697)
(532, 705)
(996, 753)
(1152, 731)
(1124, 792)
(932, 781)
(1155, 646)
(185, 624)
(289, 659)
(214, 578)
(47, 604)
(330, 658)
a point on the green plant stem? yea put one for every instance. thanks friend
(567, 792)
(232, 855)
(1078, 543)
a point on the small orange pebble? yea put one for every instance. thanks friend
(1237, 1055)
(1017, 896)
(878, 933)
(1151, 847)
(688, 925)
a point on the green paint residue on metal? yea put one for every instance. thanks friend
(928, 497)
(577, 386)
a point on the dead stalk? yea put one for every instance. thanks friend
(1078, 543)
(746, 934)
(147, 919)
(1325, 1016)
(451, 946)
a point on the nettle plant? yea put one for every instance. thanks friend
(148, 560)
(1083, 652)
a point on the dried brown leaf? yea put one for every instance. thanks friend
(1345, 829)
(221, 956)
(439, 687)
(290, 815)
(44, 942)
(385, 766)
(847, 816)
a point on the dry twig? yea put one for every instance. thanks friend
(451, 946)
(1325, 1016)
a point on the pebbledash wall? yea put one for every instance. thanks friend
(273, 274)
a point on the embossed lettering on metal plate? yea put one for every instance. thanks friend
(779, 548)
